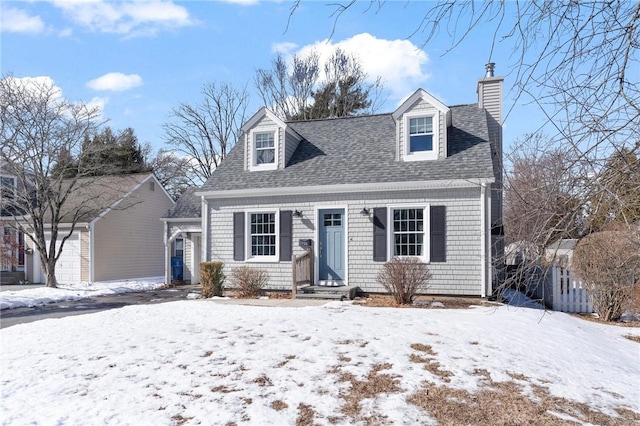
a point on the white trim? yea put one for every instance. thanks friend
(247, 236)
(420, 94)
(316, 245)
(342, 189)
(181, 219)
(276, 149)
(195, 265)
(204, 229)
(92, 233)
(489, 257)
(426, 229)
(435, 129)
(483, 239)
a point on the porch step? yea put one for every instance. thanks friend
(326, 292)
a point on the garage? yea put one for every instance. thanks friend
(68, 265)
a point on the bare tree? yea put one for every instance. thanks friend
(36, 124)
(300, 92)
(174, 172)
(204, 133)
(542, 194)
(288, 91)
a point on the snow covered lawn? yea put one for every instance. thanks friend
(201, 362)
(43, 295)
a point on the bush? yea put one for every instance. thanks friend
(404, 277)
(609, 264)
(212, 279)
(249, 281)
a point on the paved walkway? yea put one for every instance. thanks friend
(15, 287)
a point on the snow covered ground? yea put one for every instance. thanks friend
(201, 362)
(43, 295)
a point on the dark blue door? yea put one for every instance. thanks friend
(332, 251)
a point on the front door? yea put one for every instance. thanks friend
(331, 259)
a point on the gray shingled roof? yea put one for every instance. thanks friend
(358, 150)
(187, 206)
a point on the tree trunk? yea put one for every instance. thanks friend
(50, 268)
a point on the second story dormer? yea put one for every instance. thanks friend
(421, 128)
(269, 143)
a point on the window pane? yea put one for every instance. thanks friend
(421, 143)
(265, 156)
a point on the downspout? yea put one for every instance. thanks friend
(483, 243)
(91, 229)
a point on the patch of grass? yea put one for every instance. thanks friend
(306, 415)
(430, 364)
(374, 384)
(632, 337)
(222, 389)
(279, 405)
(422, 348)
(506, 403)
(207, 354)
(180, 420)
(263, 381)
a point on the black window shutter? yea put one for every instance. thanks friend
(380, 234)
(238, 236)
(438, 223)
(286, 235)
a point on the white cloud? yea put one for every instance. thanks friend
(127, 18)
(35, 85)
(399, 63)
(284, 48)
(18, 21)
(115, 82)
(45, 85)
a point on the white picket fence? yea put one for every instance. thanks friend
(560, 291)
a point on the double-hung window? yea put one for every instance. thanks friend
(263, 235)
(409, 231)
(265, 149)
(421, 137)
(421, 134)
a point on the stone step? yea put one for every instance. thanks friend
(326, 292)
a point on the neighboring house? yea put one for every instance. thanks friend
(423, 181)
(118, 234)
(561, 252)
(12, 261)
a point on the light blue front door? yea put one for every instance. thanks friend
(331, 246)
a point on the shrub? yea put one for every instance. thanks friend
(212, 278)
(249, 281)
(609, 264)
(404, 277)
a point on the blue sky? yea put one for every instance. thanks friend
(138, 60)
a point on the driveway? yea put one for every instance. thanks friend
(10, 317)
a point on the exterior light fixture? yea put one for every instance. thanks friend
(297, 213)
(364, 211)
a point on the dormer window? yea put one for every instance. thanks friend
(421, 136)
(264, 149)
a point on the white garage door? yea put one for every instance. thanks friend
(68, 266)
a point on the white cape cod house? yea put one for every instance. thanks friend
(422, 181)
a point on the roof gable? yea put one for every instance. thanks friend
(417, 96)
